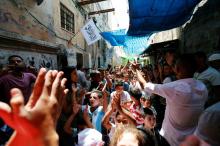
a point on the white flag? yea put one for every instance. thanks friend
(90, 32)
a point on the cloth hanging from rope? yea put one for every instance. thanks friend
(133, 45)
(148, 16)
(115, 38)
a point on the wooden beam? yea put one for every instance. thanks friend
(102, 11)
(86, 2)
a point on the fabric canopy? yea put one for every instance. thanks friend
(115, 38)
(148, 16)
(133, 45)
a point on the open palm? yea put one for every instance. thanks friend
(35, 122)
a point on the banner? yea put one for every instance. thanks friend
(90, 32)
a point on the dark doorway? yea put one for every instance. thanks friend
(79, 59)
(99, 62)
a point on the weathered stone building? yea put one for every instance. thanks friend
(48, 34)
(203, 31)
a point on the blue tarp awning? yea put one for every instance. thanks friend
(133, 45)
(115, 38)
(148, 16)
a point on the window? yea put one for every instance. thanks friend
(67, 19)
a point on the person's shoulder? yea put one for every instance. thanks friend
(28, 74)
(81, 73)
(182, 85)
(100, 109)
(215, 107)
(126, 93)
(200, 86)
(112, 93)
(214, 71)
(6, 76)
(210, 71)
(167, 80)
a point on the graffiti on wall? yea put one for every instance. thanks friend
(6, 17)
(46, 61)
(25, 24)
(33, 59)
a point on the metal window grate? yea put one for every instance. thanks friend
(67, 19)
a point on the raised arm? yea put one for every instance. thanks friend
(105, 98)
(106, 119)
(35, 123)
(87, 118)
(163, 90)
(124, 112)
(67, 125)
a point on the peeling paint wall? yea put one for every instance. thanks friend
(26, 18)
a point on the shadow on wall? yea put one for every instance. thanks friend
(204, 29)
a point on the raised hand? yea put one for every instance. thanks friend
(116, 101)
(34, 124)
(74, 88)
(76, 108)
(87, 118)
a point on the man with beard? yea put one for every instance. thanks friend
(16, 78)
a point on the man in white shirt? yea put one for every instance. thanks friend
(214, 60)
(209, 76)
(185, 100)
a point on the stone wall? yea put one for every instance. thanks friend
(38, 60)
(22, 17)
(203, 32)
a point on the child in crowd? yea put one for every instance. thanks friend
(146, 102)
(125, 99)
(150, 124)
(135, 108)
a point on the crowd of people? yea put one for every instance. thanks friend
(174, 102)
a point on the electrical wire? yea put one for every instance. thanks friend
(49, 29)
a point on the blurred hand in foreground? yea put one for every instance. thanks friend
(35, 122)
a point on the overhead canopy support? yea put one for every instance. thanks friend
(86, 2)
(102, 11)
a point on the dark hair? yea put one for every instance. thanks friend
(148, 138)
(93, 73)
(117, 114)
(12, 56)
(118, 83)
(187, 64)
(135, 92)
(201, 54)
(98, 92)
(101, 69)
(67, 74)
(171, 51)
(78, 66)
(148, 111)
